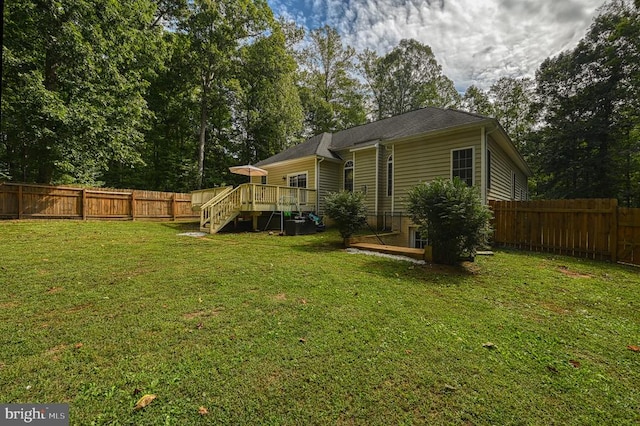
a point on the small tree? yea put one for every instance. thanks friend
(452, 215)
(347, 210)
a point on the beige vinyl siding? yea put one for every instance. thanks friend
(330, 181)
(501, 176)
(365, 176)
(384, 203)
(279, 170)
(423, 161)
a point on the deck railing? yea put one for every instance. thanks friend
(271, 197)
(249, 197)
(202, 196)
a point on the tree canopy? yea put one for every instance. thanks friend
(166, 94)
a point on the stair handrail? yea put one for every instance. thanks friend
(218, 204)
(206, 208)
(219, 195)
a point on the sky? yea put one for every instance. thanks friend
(475, 41)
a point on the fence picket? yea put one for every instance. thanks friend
(41, 201)
(589, 228)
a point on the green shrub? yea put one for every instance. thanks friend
(347, 210)
(452, 216)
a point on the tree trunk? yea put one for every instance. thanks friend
(202, 139)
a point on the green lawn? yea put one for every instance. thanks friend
(263, 329)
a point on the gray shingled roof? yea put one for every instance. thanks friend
(416, 122)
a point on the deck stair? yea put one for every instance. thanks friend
(220, 210)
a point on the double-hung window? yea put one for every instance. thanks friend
(298, 180)
(462, 165)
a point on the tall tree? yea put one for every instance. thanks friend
(74, 78)
(477, 101)
(217, 30)
(269, 110)
(588, 146)
(407, 78)
(332, 97)
(513, 100)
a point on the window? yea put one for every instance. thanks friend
(418, 240)
(488, 169)
(348, 176)
(462, 165)
(390, 176)
(263, 180)
(298, 180)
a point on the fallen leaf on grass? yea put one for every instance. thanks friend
(552, 368)
(203, 411)
(449, 388)
(200, 326)
(303, 301)
(144, 401)
(137, 391)
(634, 348)
(576, 364)
(489, 345)
(78, 345)
(303, 340)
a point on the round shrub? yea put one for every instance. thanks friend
(347, 210)
(452, 216)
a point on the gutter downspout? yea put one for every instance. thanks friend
(320, 160)
(393, 179)
(483, 164)
(377, 181)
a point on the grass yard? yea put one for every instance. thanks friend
(260, 329)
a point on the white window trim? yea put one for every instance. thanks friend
(344, 168)
(473, 162)
(390, 187)
(412, 233)
(306, 173)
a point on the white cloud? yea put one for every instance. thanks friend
(475, 41)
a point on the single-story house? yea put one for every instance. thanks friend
(386, 158)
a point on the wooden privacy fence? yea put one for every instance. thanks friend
(590, 228)
(22, 201)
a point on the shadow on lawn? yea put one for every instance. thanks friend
(182, 226)
(385, 265)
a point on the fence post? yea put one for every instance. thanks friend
(84, 203)
(20, 207)
(614, 231)
(133, 205)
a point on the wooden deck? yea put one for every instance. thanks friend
(223, 205)
(414, 253)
